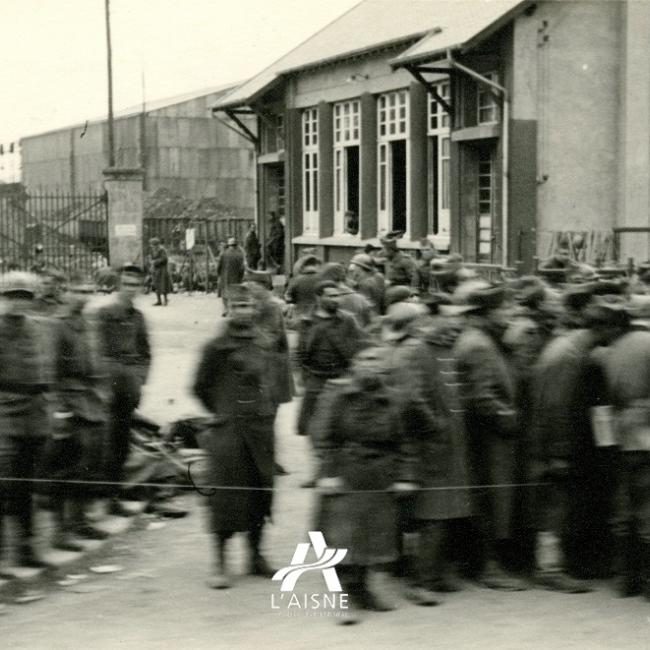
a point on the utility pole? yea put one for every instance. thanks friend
(109, 56)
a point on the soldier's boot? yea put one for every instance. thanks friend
(494, 577)
(645, 569)
(352, 580)
(79, 525)
(27, 555)
(549, 573)
(434, 569)
(258, 564)
(220, 579)
(631, 580)
(377, 592)
(63, 539)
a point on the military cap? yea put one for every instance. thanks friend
(131, 269)
(398, 293)
(262, 278)
(18, 283)
(578, 296)
(607, 311)
(486, 298)
(363, 261)
(609, 287)
(530, 290)
(401, 313)
(390, 238)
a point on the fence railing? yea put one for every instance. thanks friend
(171, 232)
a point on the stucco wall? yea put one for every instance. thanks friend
(568, 82)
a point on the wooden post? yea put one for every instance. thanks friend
(109, 57)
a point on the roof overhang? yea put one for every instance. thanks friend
(426, 50)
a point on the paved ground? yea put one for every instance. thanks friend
(159, 599)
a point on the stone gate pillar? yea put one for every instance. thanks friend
(124, 188)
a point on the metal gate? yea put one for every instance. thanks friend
(66, 231)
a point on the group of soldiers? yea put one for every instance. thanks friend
(505, 425)
(69, 384)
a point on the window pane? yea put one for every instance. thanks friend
(445, 147)
(382, 187)
(485, 235)
(484, 248)
(315, 184)
(445, 184)
(485, 222)
(307, 192)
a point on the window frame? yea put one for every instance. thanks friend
(483, 92)
(439, 129)
(310, 171)
(401, 120)
(344, 136)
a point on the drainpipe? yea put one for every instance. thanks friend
(504, 145)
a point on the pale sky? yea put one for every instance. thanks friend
(53, 52)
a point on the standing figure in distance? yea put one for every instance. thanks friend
(160, 278)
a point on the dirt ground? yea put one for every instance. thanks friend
(159, 599)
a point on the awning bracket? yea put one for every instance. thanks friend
(417, 71)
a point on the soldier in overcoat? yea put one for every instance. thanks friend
(487, 389)
(366, 456)
(232, 382)
(25, 377)
(160, 278)
(75, 449)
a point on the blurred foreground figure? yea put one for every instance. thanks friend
(75, 449)
(573, 451)
(23, 414)
(488, 394)
(628, 371)
(232, 382)
(125, 346)
(366, 458)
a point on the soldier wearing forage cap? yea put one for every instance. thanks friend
(488, 394)
(328, 338)
(364, 277)
(399, 268)
(24, 379)
(233, 382)
(124, 342)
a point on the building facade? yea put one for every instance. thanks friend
(498, 129)
(176, 142)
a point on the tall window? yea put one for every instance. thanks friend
(347, 134)
(310, 170)
(485, 203)
(392, 133)
(488, 109)
(439, 146)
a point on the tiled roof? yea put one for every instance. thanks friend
(461, 23)
(373, 24)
